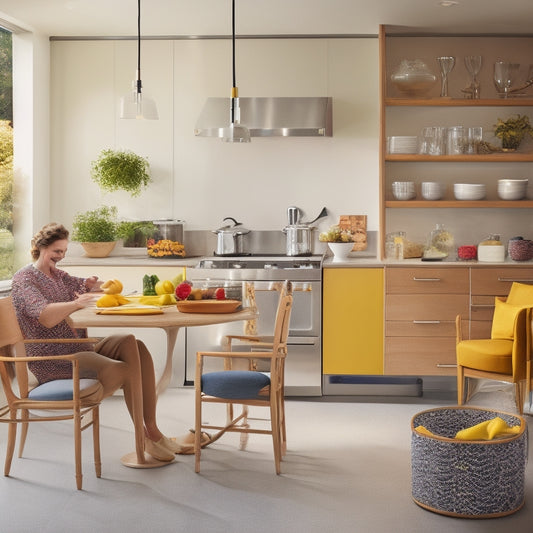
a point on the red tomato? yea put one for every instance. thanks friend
(220, 294)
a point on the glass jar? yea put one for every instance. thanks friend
(413, 78)
(442, 240)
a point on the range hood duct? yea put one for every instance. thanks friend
(270, 116)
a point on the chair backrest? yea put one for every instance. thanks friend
(11, 343)
(521, 355)
(283, 318)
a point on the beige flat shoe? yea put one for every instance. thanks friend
(186, 442)
(158, 450)
(171, 444)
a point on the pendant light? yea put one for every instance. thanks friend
(235, 132)
(135, 104)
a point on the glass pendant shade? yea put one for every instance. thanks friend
(235, 132)
(136, 105)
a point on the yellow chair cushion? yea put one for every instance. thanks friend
(521, 294)
(491, 355)
(504, 319)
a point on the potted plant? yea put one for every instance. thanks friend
(512, 131)
(96, 230)
(135, 234)
(121, 170)
(340, 240)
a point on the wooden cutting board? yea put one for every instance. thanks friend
(357, 224)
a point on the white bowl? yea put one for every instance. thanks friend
(512, 189)
(432, 190)
(404, 190)
(469, 191)
(512, 195)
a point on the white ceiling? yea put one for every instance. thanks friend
(265, 17)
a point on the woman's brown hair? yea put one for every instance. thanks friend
(46, 236)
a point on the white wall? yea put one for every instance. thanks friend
(203, 180)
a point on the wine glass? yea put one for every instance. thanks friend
(504, 77)
(446, 64)
(473, 66)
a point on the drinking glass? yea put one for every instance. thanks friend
(473, 66)
(446, 64)
(504, 77)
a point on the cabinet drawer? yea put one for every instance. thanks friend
(411, 307)
(482, 307)
(420, 356)
(419, 328)
(498, 281)
(424, 280)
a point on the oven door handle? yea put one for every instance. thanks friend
(302, 341)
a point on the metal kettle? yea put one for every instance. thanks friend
(300, 234)
(230, 238)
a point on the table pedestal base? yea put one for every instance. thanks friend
(130, 460)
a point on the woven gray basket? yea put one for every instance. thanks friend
(471, 479)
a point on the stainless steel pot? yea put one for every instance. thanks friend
(299, 239)
(169, 229)
(230, 238)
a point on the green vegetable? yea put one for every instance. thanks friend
(149, 285)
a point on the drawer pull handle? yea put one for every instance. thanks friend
(426, 279)
(516, 279)
(446, 365)
(426, 321)
(483, 306)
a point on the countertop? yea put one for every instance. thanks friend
(134, 257)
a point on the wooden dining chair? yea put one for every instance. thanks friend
(247, 387)
(75, 399)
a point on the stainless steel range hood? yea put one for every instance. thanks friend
(270, 117)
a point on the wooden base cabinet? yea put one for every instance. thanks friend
(486, 284)
(353, 321)
(420, 309)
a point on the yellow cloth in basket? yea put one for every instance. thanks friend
(488, 430)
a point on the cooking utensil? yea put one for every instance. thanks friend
(299, 239)
(293, 215)
(322, 214)
(230, 238)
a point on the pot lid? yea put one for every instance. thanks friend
(232, 229)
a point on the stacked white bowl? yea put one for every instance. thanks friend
(403, 190)
(402, 144)
(432, 190)
(512, 189)
(469, 191)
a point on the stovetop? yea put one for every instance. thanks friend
(262, 262)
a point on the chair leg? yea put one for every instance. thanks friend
(96, 441)
(23, 431)
(460, 384)
(243, 441)
(519, 390)
(197, 430)
(283, 429)
(77, 447)
(274, 421)
(11, 437)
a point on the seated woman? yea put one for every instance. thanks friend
(44, 296)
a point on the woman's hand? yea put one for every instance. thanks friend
(86, 299)
(92, 283)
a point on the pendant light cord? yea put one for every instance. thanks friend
(139, 83)
(233, 41)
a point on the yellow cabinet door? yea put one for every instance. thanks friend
(352, 321)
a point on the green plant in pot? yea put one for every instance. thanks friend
(512, 131)
(116, 170)
(136, 233)
(96, 230)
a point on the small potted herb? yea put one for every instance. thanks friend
(116, 170)
(512, 131)
(96, 230)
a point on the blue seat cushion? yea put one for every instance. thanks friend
(234, 384)
(61, 389)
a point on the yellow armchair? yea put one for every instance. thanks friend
(503, 357)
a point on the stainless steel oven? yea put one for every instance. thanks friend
(303, 370)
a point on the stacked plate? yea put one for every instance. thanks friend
(402, 144)
(512, 189)
(469, 191)
(404, 190)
